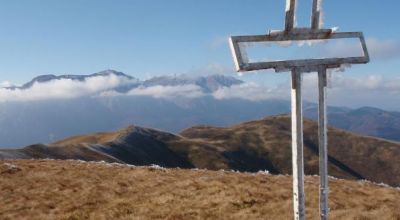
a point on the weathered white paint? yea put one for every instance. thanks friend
(316, 16)
(306, 65)
(323, 145)
(297, 147)
(290, 20)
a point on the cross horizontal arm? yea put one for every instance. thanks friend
(309, 65)
(304, 65)
(281, 36)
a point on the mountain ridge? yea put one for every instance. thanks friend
(365, 120)
(208, 83)
(251, 146)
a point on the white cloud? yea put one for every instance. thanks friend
(381, 49)
(63, 88)
(348, 47)
(251, 91)
(168, 92)
(219, 41)
(210, 69)
(370, 90)
(5, 84)
(366, 84)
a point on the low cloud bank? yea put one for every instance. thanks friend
(252, 91)
(372, 90)
(64, 88)
(5, 84)
(186, 91)
(379, 49)
(383, 48)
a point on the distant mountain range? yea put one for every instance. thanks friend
(47, 78)
(208, 83)
(252, 146)
(366, 120)
(46, 120)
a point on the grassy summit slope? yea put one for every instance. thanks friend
(57, 189)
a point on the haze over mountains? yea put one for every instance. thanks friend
(52, 107)
(366, 120)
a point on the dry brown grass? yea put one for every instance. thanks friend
(45, 189)
(96, 138)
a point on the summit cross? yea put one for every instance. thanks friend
(297, 67)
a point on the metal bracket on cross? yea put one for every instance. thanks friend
(297, 68)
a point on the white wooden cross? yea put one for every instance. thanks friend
(297, 68)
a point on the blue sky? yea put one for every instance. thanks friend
(144, 38)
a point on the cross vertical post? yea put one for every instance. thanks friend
(316, 14)
(323, 144)
(297, 147)
(290, 19)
